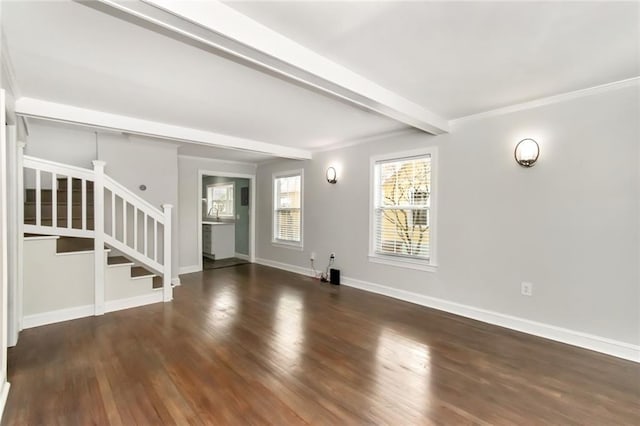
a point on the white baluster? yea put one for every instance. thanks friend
(135, 228)
(155, 240)
(54, 200)
(166, 288)
(124, 221)
(98, 248)
(69, 202)
(146, 239)
(38, 198)
(113, 214)
(84, 204)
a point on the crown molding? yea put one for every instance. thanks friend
(563, 97)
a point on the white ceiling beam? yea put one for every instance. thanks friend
(36, 108)
(225, 29)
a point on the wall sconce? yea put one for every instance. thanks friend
(527, 152)
(332, 175)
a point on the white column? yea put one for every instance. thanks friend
(20, 203)
(98, 215)
(167, 289)
(12, 230)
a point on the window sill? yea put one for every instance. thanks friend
(290, 246)
(403, 263)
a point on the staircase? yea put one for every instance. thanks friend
(73, 216)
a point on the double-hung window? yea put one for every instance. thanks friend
(403, 209)
(287, 209)
(220, 200)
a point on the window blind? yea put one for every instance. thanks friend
(287, 206)
(401, 207)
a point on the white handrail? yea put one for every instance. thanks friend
(134, 199)
(59, 168)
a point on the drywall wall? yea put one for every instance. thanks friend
(190, 201)
(241, 212)
(130, 160)
(569, 225)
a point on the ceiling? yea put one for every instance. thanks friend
(463, 58)
(455, 59)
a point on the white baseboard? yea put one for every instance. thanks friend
(189, 269)
(241, 256)
(175, 281)
(571, 337)
(36, 320)
(133, 302)
(285, 266)
(4, 394)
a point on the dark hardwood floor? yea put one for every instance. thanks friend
(254, 345)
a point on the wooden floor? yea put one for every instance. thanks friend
(253, 345)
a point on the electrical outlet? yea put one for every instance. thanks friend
(332, 255)
(313, 256)
(526, 288)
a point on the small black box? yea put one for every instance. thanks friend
(334, 276)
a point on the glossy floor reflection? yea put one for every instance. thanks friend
(255, 345)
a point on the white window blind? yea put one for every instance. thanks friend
(401, 225)
(220, 200)
(287, 217)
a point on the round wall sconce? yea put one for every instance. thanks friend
(332, 175)
(527, 152)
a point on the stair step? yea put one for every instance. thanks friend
(75, 183)
(76, 223)
(72, 244)
(157, 282)
(140, 272)
(118, 260)
(47, 195)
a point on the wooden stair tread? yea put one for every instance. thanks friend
(157, 282)
(139, 271)
(118, 260)
(72, 244)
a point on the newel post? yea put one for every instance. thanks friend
(167, 289)
(98, 226)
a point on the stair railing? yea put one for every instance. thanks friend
(121, 219)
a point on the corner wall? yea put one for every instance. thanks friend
(570, 225)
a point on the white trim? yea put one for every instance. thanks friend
(231, 216)
(42, 237)
(216, 24)
(134, 302)
(119, 265)
(4, 394)
(176, 281)
(241, 256)
(629, 82)
(141, 277)
(189, 269)
(79, 252)
(215, 160)
(400, 262)
(580, 339)
(432, 264)
(46, 110)
(252, 213)
(293, 245)
(60, 315)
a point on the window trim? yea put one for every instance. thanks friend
(233, 204)
(293, 245)
(431, 264)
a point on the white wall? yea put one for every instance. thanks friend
(189, 200)
(570, 224)
(131, 161)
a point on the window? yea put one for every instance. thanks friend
(287, 206)
(220, 200)
(403, 210)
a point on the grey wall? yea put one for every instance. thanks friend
(130, 160)
(570, 224)
(241, 212)
(190, 202)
